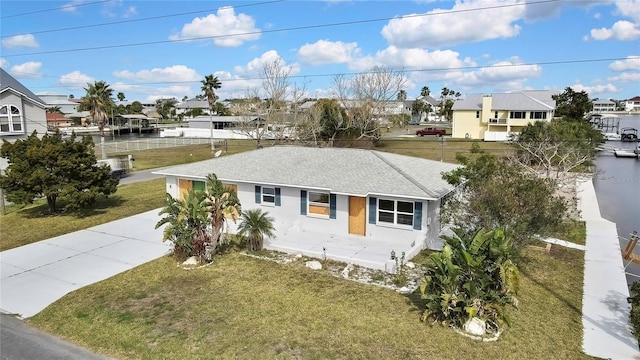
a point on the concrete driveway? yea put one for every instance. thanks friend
(35, 275)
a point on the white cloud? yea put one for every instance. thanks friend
(3, 62)
(625, 77)
(503, 75)
(396, 58)
(458, 25)
(630, 63)
(130, 11)
(28, 70)
(597, 89)
(255, 66)
(226, 28)
(75, 79)
(328, 52)
(175, 73)
(622, 30)
(629, 9)
(26, 40)
(71, 6)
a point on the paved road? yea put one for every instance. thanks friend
(139, 175)
(20, 341)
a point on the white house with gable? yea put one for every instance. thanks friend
(351, 205)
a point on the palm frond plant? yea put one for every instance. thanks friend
(473, 277)
(223, 205)
(186, 224)
(255, 226)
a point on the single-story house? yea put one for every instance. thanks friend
(57, 120)
(351, 205)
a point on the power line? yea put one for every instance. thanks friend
(296, 28)
(558, 62)
(54, 9)
(136, 20)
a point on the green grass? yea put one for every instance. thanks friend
(434, 148)
(248, 308)
(150, 159)
(26, 224)
(241, 307)
(572, 231)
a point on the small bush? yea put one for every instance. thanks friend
(634, 317)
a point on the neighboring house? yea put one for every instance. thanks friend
(497, 116)
(220, 122)
(21, 111)
(191, 104)
(62, 101)
(57, 120)
(603, 106)
(632, 104)
(349, 205)
(426, 116)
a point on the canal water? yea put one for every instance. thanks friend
(617, 186)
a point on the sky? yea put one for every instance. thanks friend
(162, 49)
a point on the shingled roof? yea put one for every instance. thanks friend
(8, 83)
(342, 171)
(532, 100)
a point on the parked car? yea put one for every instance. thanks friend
(431, 131)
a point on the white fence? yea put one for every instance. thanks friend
(126, 146)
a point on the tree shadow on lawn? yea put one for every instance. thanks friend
(101, 206)
(528, 267)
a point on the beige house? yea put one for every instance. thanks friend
(496, 117)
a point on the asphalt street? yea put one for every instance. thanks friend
(18, 341)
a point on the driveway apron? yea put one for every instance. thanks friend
(34, 276)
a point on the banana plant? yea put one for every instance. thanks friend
(473, 276)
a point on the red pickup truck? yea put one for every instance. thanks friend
(431, 131)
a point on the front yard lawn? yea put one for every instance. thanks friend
(23, 225)
(241, 307)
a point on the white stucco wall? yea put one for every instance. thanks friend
(289, 220)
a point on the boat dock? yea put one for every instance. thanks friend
(622, 153)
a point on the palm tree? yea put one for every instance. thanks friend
(402, 95)
(424, 92)
(222, 204)
(54, 110)
(120, 96)
(255, 225)
(209, 85)
(98, 100)
(187, 221)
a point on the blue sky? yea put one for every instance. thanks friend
(476, 46)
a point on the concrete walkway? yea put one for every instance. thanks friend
(605, 310)
(35, 275)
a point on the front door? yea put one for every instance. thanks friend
(183, 187)
(357, 215)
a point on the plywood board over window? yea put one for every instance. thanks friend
(185, 185)
(233, 187)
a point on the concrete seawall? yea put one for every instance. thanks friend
(605, 310)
